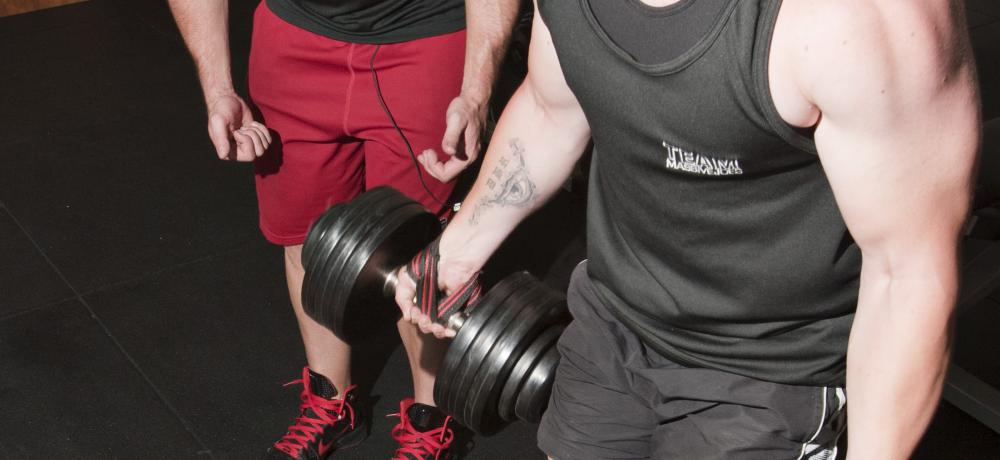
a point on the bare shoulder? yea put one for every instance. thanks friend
(850, 50)
(894, 86)
(839, 28)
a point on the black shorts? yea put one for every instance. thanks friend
(615, 398)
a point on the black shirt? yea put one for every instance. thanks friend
(373, 21)
(712, 230)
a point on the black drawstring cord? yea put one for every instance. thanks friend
(381, 101)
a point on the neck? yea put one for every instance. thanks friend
(659, 3)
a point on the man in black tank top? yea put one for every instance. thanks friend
(775, 201)
(354, 94)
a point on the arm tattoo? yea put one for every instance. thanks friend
(508, 183)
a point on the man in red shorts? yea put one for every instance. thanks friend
(354, 94)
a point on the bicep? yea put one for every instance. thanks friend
(898, 137)
(542, 129)
(904, 178)
(546, 86)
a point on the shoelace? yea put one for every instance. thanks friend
(306, 428)
(424, 271)
(416, 444)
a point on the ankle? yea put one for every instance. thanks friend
(426, 400)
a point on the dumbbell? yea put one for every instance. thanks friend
(526, 391)
(498, 353)
(350, 257)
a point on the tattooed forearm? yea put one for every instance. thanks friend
(508, 184)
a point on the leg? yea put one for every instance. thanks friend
(594, 412)
(417, 81)
(614, 397)
(326, 353)
(299, 82)
(424, 353)
(748, 419)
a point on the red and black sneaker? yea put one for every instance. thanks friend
(423, 432)
(324, 424)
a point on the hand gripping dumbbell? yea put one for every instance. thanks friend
(499, 364)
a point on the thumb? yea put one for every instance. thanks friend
(247, 114)
(451, 169)
(472, 134)
(452, 132)
(405, 290)
(218, 132)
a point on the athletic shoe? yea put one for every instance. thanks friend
(423, 432)
(324, 424)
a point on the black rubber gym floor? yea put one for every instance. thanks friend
(141, 313)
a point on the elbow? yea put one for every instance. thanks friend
(917, 279)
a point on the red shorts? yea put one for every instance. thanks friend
(332, 138)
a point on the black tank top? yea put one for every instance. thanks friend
(712, 229)
(636, 27)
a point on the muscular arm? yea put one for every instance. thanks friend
(204, 24)
(538, 139)
(898, 135)
(205, 27)
(489, 24)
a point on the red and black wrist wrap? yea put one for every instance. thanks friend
(424, 271)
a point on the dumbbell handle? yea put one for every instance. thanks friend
(455, 321)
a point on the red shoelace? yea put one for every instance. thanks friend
(416, 444)
(306, 427)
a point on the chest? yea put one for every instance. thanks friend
(718, 106)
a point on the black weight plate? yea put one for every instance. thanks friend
(338, 243)
(481, 345)
(318, 281)
(486, 330)
(479, 353)
(331, 220)
(328, 237)
(328, 220)
(376, 217)
(534, 395)
(324, 235)
(515, 380)
(385, 218)
(318, 230)
(316, 249)
(543, 308)
(406, 231)
(444, 385)
(357, 235)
